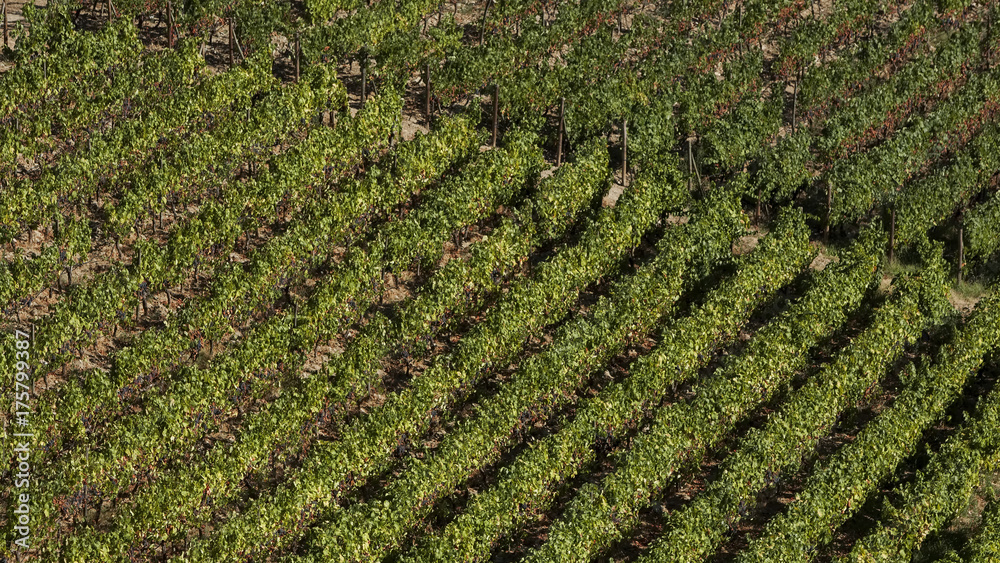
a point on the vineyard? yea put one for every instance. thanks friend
(500, 280)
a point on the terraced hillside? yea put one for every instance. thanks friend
(500, 280)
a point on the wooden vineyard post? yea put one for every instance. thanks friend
(298, 57)
(892, 234)
(236, 40)
(625, 152)
(693, 171)
(482, 27)
(562, 125)
(396, 136)
(84, 501)
(364, 76)
(829, 212)
(795, 99)
(5, 33)
(496, 110)
(961, 248)
(45, 376)
(427, 93)
(170, 26)
(697, 175)
(232, 43)
(690, 167)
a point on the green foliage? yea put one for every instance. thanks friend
(935, 198)
(841, 486)
(790, 433)
(135, 132)
(680, 432)
(864, 178)
(235, 294)
(932, 281)
(544, 383)
(367, 27)
(529, 305)
(986, 545)
(940, 490)
(982, 230)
